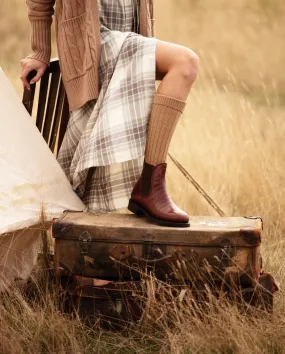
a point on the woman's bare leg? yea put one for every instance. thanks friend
(177, 68)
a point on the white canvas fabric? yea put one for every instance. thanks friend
(30, 180)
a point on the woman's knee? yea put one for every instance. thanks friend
(186, 65)
(180, 61)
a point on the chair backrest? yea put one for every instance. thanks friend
(52, 111)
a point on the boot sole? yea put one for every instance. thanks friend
(139, 211)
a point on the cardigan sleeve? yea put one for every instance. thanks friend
(152, 15)
(40, 14)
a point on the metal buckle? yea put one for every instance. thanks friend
(85, 243)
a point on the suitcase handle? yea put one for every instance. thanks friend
(153, 261)
(123, 253)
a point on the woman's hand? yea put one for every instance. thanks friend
(28, 65)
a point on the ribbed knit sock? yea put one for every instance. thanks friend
(166, 112)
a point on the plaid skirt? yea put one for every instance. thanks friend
(103, 148)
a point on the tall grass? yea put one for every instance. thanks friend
(31, 321)
(231, 139)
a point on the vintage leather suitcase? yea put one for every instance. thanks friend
(121, 246)
(116, 304)
(109, 304)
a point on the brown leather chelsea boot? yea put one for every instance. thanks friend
(150, 198)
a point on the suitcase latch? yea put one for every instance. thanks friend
(226, 252)
(85, 242)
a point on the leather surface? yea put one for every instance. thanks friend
(150, 193)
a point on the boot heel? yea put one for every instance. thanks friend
(134, 208)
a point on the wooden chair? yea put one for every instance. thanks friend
(52, 111)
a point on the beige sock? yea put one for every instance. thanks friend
(165, 114)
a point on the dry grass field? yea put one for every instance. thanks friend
(231, 139)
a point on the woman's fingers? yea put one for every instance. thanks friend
(25, 72)
(39, 74)
(29, 65)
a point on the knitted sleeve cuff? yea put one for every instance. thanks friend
(41, 40)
